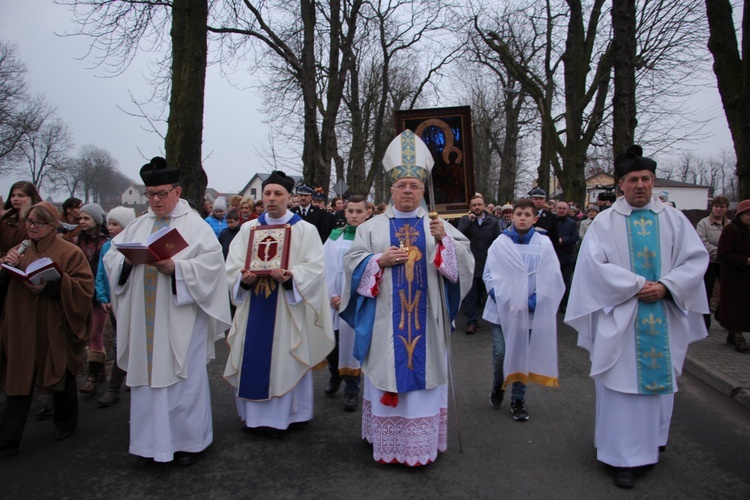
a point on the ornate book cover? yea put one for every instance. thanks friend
(268, 248)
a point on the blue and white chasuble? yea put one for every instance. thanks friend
(256, 359)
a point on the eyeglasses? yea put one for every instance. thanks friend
(161, 194)
(411, 186)
(36, 223)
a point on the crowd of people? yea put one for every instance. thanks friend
(293, 281)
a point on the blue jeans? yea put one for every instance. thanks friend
(498, 356)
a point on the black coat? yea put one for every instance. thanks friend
(567, 231)
(321, 219)
(548, 222)
(480, 237)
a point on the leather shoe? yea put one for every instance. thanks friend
(470, 329)
(624, 478)
(185, 459)
(350, 402)
(60, 435)
(332, 386)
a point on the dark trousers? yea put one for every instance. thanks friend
(709, 279)
(567, 276)
(351, 383)
(17, 411)
(472, 300)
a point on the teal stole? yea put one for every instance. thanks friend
(654, 362)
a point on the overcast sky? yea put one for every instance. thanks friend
(233, 128)
(233, 125)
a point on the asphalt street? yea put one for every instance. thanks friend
(550, 456)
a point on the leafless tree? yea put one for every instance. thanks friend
(732, 70)
(715, 171)
(20, 114)
(120, 28)
(42, 151)
(569, 78)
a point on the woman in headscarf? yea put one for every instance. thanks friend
(734, 277)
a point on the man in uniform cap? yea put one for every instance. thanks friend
(394, 270)
(547, 222)
(169, 314)
(282, 326)
(637, 301)
(310, 213)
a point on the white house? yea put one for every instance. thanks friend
(135, 194)
(254, 189)
(684, 195)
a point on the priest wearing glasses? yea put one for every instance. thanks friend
(392, 298)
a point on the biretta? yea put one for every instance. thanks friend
(157, 173)
(633, 160)
(407, 156)
(280, 178)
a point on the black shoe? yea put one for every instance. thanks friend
(730, 338)
(45, 413)
(624, 478)
(350, 402)
(496, 396)
(61, 435)
(662, 448)
(470, 329)
(8, 448)
(332, 386)
(185, 459)
(518, 409)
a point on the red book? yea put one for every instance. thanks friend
(43, 269)
(268, 248)
(160, 245)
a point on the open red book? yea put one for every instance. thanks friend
(160, 245)
(44, 269)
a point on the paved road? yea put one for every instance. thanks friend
(550, 456)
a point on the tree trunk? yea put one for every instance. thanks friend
(313, 169)
(185, 124)
(623, 101)
(733, 79)
(509, 158)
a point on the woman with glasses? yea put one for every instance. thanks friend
(22, 195)
(44, 329)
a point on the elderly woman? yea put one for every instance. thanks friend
(734, 277)
(44, 329)
(22, 195)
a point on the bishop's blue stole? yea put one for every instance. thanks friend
(255, 375)
(654, 363)
(409, 296)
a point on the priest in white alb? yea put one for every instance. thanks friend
(282, 327)
(637, 301)
(394, 270)
(169, 314)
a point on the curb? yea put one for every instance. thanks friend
(722, 383)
